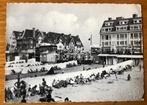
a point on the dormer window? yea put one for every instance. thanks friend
(108, 23)
(123, 22)
(137, 21)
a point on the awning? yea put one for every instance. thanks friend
(107, 55)
(130, 56)
(120, 56)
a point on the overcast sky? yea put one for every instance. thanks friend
(75, 19)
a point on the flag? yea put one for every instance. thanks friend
(90, 39)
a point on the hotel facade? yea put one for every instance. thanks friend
(121, 37)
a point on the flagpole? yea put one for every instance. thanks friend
(91, 40)
(90, 45)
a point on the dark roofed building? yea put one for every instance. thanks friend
(13, 40)
(66, 40)
(27, 41)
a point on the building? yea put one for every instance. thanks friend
(26, 43)
(47, 53)
(95, 50)
(121, 36)
(66, 43)
(13, 40)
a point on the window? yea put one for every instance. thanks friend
(121, 42)
(125, 28)
(106, 37)
(136, 35)
(106, 43)
(135, 21)
(131, 35)
(121, 36)
(140, 27)
(136, 28)
(106, 24)
(139, 34)
(110, 43)
(117, 28)
(117, 36)
(125, 35)
(110, 37)
(118, 43)
(131, 27)
(136, 42)
(106, 29)
(125, 42)
(131, 42)
(102, 43)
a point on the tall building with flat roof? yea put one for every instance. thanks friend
(122, 35)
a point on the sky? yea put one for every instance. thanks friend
(69, 18)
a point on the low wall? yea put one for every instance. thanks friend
(8, 70)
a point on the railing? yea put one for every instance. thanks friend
(122, 52)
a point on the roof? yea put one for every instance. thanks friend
(116, 22)
(50, 37)
(18, 34)
(54, 38)
(28, 33)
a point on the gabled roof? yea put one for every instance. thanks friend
(54, 38)
(50, 37)
(18, 34)
(77, 41)
(28, 33)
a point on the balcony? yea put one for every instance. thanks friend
(121, 51)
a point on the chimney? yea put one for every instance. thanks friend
(135, 15)
(109, 18)
(33, 31)
(119, 18)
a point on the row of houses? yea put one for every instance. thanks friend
(46, 47)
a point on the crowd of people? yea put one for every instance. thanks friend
(80, 79)
(23, 90)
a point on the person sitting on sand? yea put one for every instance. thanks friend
(44, 82)
(97, 76)
(23, 88)
(23, 99)
(49, 96)
(67, 100)
(128, 77)
(34, 90)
